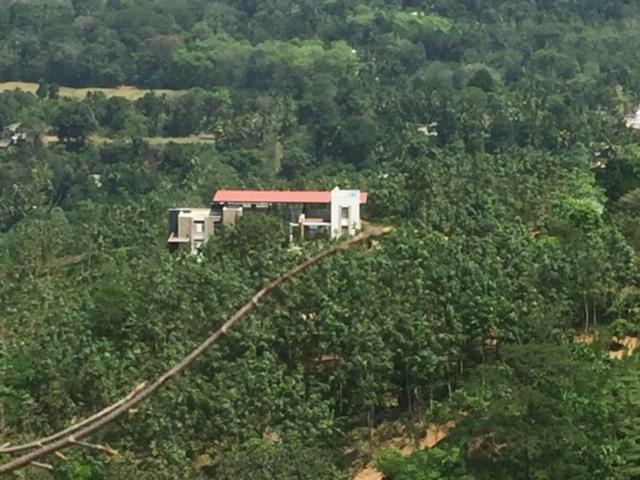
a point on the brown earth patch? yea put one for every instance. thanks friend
(623, 347)
(433, 435)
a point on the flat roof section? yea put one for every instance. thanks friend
(276, 196)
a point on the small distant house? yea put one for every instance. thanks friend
(189, 228)
(310, 214)
(429, 130)
(10, 135)
(633, 121)
(11, 129)
(16, 134)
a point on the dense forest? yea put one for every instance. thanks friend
(491, 135)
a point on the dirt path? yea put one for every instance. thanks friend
(368, 473)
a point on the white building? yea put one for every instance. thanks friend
(310, 214)
(634, 121)
(189, 228)
(345, 212)
(333, 213)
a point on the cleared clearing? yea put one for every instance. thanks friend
(124, 91)
(99, 140)
(183, 140)
(433, 436)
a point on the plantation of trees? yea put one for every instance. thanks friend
(490, 135)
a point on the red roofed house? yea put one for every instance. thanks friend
(332, 213)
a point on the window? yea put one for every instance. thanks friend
(344, 213)
(345, 230)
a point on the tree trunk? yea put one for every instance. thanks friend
(586, 313)
(430, 399)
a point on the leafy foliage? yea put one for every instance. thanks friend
(492, 137)
(263, 461)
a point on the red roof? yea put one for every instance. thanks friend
(276, 196)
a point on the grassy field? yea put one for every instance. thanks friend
(130, 93)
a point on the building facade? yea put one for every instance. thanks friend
(333, 213)
(309, 214)
(345, 212)
(189, 228)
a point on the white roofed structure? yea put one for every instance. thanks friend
(633, 121)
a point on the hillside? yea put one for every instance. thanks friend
(491, 135)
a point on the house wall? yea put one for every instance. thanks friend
(173, 221)
(341, 199)
(208, 227)
(184, 224)
(230, 214)
(318, 211)
(342, 213)
(200, 216)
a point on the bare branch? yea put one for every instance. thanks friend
(60, 456)
(45, 466)
(124, 405)
(101, 448)
(6, 448)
